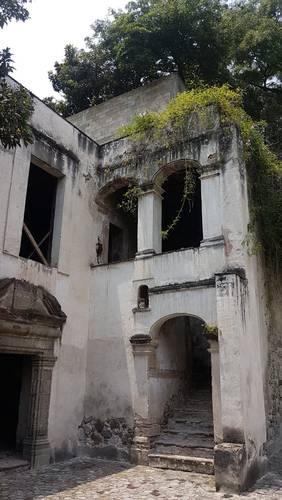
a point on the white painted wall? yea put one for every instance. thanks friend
(75, 244)
(95, 372)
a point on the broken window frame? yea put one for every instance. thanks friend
(49, 259)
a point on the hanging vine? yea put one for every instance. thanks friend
(187, 198)
(263, 166)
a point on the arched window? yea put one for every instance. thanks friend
(143, 297)
(122, 223)
(185, 215)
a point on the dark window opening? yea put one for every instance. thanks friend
(143, 297)
(115, 243)
(122, 228)
(11, 367)
(36, 243)
(188, 230)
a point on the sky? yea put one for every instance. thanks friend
(38, 42)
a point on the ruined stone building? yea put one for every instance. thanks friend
(117, 343)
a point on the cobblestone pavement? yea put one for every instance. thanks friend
(88, 479)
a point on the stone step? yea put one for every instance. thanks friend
(195, 409)
(185, 451)
(195, 402)
(185, 445)
(192, 429)
(184, 463)
(184, 423)
(203, 415)
(189, 431)
(10, 463)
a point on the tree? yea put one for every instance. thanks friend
(254, 31)
(207, 42)
(13, 9)
(15, 103)
(147, 40)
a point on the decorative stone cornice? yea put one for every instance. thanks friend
(175, 287)
(23, 302)
(140, 338)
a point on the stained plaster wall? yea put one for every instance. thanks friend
(74, 156)
(102, 122)
(225, 218)
(95, 373)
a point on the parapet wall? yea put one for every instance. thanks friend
(102, 122)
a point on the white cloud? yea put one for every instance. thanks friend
(40, 41)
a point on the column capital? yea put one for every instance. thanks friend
(151, 187)
(142, 344)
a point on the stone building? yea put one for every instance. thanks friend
(117, 343)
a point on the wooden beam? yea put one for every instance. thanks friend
(39, 244)
(33, 242)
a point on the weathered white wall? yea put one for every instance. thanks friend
(102, 122)
(74, 156)
(95, 372)
(110, 363)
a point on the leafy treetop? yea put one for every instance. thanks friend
(209, 42)
(15, 103)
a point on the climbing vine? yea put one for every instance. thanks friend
(187, 197)
(129, 200)
(263, 167)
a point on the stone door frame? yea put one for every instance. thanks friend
(31, 322)
(144, 351)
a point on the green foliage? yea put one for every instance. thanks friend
(15, 110)
(263, 166)
(147, 40)
(57, 105)
(187, 196)
(180, 109)
(208, 42)
(254, 32)
(130, 200)
(15, 103)
(13, 9)
(211, 331)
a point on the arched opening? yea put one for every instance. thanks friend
(181, 389)
(182, 218)
(122, 222)
(143, 297)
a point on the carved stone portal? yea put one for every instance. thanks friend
(31, 320)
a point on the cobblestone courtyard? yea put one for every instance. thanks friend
(88, 479)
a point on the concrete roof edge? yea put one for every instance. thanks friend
(53, 111)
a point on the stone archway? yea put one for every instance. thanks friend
(161, 372)
(31, 321)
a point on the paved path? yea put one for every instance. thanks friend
(89, 479)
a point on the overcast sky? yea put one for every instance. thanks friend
(38, 42)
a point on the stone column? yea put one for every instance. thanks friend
(36, 444)
(216, 394)
(211, 207)
(149, 221)
(145, 429)
(231, 462)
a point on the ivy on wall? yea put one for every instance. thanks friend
(263, 166)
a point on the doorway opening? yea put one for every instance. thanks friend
(184, 348)
(122, 228)
(188, 230)
(181, 384)
(14, 393)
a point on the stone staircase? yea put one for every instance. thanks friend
(187, 442)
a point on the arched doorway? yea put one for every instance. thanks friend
(119, 239)
(182, 378)
(182, 353)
